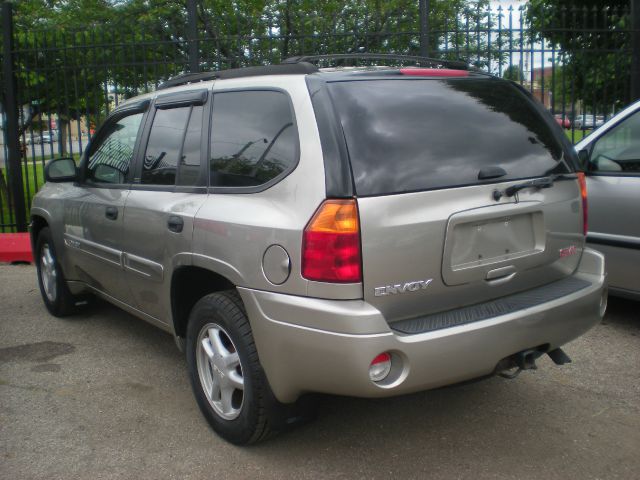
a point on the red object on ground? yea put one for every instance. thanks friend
(15, 247)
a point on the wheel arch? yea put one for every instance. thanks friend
(38, 222)
(189, 284)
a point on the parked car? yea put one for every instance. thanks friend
(305, 230)
(588, 122)
(563, 121)
(611, 157)
(46, 137)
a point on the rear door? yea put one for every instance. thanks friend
(431, 161)
(168, 189)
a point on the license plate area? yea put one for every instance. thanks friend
(481, 240)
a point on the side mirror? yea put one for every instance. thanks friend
(60, 170)
(583, 157)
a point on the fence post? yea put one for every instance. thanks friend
(424, 28)
(192, 36)
(14, 167)
(635, 50)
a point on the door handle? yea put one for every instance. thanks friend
(175, 224)
(111, 213)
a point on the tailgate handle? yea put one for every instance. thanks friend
(501, 275)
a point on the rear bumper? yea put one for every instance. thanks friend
(326, 346)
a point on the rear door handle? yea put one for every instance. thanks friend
(175, 224)
(111, 213)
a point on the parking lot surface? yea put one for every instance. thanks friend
(104, 395)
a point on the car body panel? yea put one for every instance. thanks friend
(614, 216)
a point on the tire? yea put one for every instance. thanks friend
(53, 287)
(228, 381)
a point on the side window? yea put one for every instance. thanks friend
(111, 158)
(618, 150)
(160, 162)
(254, 138)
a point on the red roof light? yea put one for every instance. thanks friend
(434, 72)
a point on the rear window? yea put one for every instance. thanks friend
(413, 135)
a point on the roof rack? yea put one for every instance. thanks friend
(187, 78)
(454, 64)
(302, 65)
(278, 69)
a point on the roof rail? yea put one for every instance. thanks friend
(187, 78)
(454, 64)
(278, 69)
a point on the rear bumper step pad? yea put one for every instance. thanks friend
(493, 308)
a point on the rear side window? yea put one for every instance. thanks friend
(254, 139)
(413, 135)
(172, 156)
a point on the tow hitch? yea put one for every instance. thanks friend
(526, 360)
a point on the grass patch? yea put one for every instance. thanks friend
(576, 135)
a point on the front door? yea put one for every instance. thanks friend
(94, 213)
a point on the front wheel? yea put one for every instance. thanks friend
(53, 287)
(226, 376)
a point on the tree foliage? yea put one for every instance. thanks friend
(76, 55)
(594, 42)
(514, 73)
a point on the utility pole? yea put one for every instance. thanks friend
(11, 110)
(424, 28)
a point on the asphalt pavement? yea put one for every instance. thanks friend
(105, 395)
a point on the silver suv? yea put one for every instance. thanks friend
(353, 231)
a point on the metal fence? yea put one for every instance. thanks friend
(58, 85)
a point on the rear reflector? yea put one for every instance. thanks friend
(585, 207)
(331, 244)
(434, 72)
(380, 367)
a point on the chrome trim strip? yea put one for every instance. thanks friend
(86, 246)
(146, 268)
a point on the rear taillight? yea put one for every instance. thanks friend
(585, 207)
(331, 244)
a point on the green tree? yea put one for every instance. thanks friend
(593, 43)
(513, 72)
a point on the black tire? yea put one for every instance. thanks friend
(254, 422)
(58, 300)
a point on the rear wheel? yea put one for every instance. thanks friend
(55, 293)
(227, 379)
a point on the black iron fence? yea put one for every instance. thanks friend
(58, 84)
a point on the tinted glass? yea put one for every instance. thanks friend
(189, 174)
(163, 148)
(411, 135)
(618, 150)
(254, 138)
(111, 158)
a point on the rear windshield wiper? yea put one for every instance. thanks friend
(537, 183)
